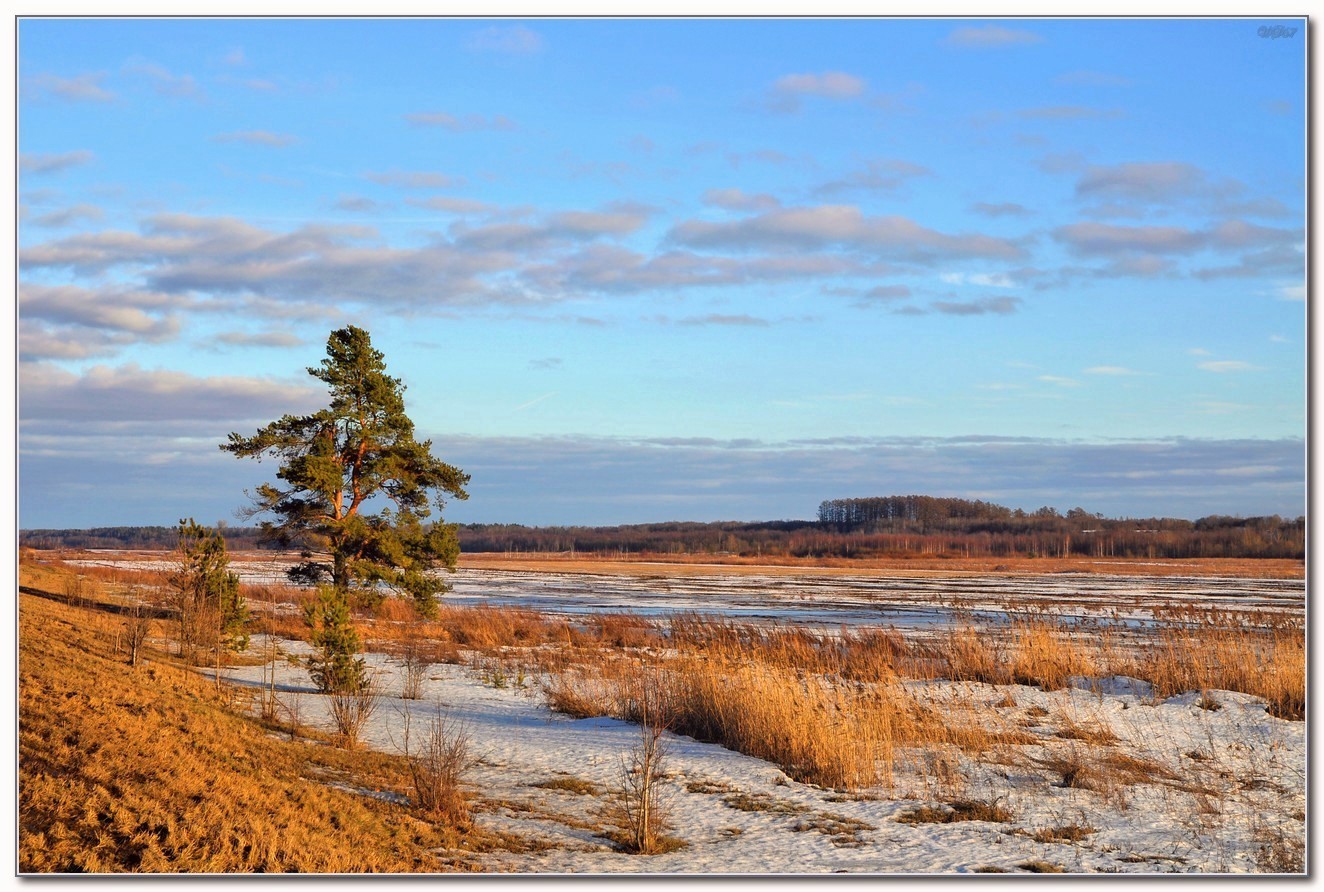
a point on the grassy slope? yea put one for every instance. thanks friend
(124, 769)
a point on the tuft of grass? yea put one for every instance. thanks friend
(1063, 833)
(1096, 733)
(959, 810)
(1039, 866)
(576, 785)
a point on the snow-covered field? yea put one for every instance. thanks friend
(835, 600)
(1215, 790)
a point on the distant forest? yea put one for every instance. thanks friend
(889, 526)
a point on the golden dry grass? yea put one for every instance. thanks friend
(145, 770)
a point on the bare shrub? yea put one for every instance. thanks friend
(137, 626)
(294, 712)
(351, 709)
(641, 802)
(415, 662)
(75, 589)
(438, 760)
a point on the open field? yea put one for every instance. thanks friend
(822, 597)
(1038, 748)
(681, 565)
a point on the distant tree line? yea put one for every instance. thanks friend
(890, 526)
(134, 538)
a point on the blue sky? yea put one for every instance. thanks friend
(640, 270)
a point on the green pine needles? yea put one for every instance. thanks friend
(355, 490)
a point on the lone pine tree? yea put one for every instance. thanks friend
(355, 487)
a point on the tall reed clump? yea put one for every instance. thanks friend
(1264, 656)
(1030, 650)
(835, 736)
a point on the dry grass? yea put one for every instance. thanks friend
(1041, 866)
(842, 736)
(1063, 833)
(568, 784)
(960, 810)
(145, 770)
(1256, 654)
(438, 759)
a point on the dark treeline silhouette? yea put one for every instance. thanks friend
(890, 526)
(138, 538)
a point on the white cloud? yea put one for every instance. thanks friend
(40, 164)
(257, 138)
(82, 88)
(991, 37)
(464, 124)
(1227, 365)
(512, 40)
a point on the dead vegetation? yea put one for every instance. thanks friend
(831, 709)
(146, 770)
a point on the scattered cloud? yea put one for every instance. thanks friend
(68, 216)
(1068, 113)
(886, 293)
(1086, 78)
(789, 91)
(1101, 239)
(991, 37)
(739, 200)
(74, 322)
(876, 175)
(1061, 162)
(413, 179)
(1113, 370)
(987, 280)
(546, 363)
(1279, 107)
(42, 164)
(464, 124)
(257, 138)
(451, 205)
(764, 156)
(1147, 182)
(999, 306)
(510, 40)
(739, 320)
(358, 204)
(164, 81)
(1227, 365)
(81, 88)
(235, 57)
(1058, 380)
(260, 339)
(108, 395)
(841, 226)
(829, 84)
(1003, 209)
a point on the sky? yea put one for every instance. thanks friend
(639, 270)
